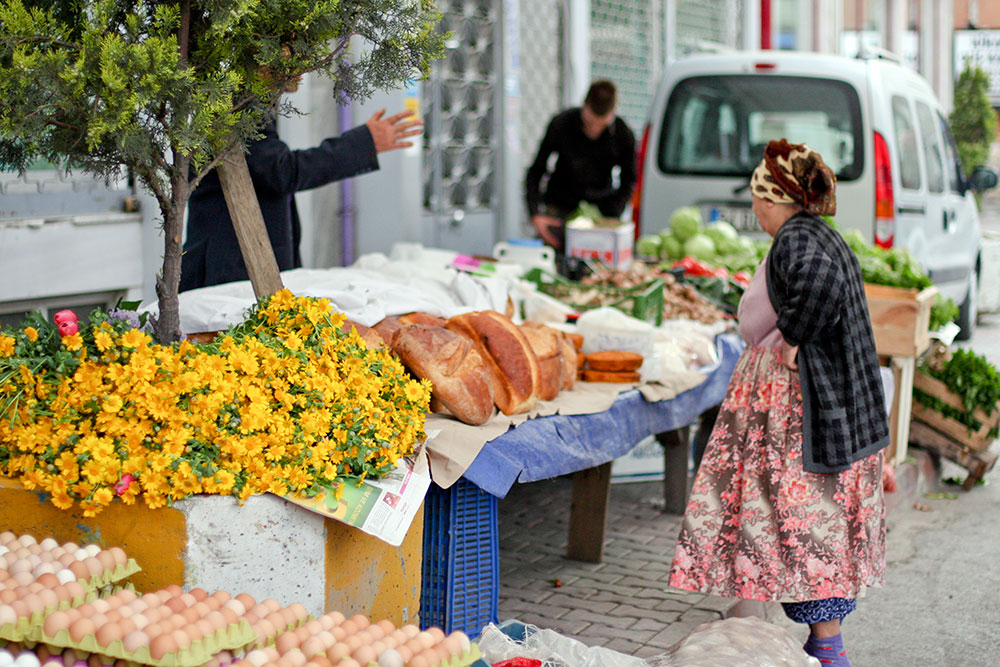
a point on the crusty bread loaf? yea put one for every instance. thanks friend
(544, 343)
(569, 359)
(422, 318)
(577, 340)
(610, 376)
(503, 346)
(388, 328)
(460, 379)
(372, 338)
(614, 360)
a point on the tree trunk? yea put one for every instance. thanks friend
(241, 198)
(168, 321)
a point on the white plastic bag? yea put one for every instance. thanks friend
(736, 642)
(552, 648)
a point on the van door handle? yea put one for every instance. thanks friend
(948, 216)
(911, 210)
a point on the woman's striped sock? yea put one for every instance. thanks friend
(829, 651)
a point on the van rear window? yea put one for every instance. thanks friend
(719, 125)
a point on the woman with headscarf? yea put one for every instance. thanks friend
(788, 503)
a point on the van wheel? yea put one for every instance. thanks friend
(968, 310)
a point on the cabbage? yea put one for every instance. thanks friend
(722, 230)
(700, 247)
(685, 222)
(648, 246)
(670, 247)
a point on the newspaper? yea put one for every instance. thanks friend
(383, 507)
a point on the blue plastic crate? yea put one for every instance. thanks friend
(460, 572)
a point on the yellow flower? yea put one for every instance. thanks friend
(133, 338)
(103, 340)
(414, 391)
(31, 333)
(6, 346)
(73, 342)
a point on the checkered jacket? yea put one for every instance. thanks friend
(815, 285)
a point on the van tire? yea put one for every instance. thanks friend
(967, 312)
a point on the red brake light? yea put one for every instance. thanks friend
(885, 214)
(765, 66)
(640, 168)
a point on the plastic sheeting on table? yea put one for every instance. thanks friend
(552, 446)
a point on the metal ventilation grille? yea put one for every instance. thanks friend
(541, 29)
(626, 46)
(703, 24)
(460, 147)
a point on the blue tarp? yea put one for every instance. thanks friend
(552, 446)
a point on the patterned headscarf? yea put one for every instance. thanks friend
(795, 174)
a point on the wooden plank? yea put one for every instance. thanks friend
(900, 319)
(676, 478)
(588, 514)
(977, 440)
(251, 232)
(940, 390)
(977, 463)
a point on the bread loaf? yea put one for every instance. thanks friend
(614, 360)
(569, 359)
(544, 343)
(422, 318)
(460, 379)
(610, 376)
(388, 328)
(372, 338)
(505, 349)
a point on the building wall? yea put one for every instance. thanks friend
(977, 14)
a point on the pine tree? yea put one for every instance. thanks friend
(973, 121)
(166, 89)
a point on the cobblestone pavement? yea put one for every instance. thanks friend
(622, 603)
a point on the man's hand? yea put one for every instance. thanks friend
(789, 355)
(542, 224)
(387, 132)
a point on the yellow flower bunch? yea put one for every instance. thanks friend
(285, 402)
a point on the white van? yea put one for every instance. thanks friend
(876, 123)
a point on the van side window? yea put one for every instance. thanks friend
(933, 154)
(906, 144)
(953, 164)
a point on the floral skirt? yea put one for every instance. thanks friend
(757, 526)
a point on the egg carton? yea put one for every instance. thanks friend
(112, 576)
(27, 628)
(198, 653)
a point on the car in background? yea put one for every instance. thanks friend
(876, 123)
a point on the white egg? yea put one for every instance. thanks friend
(65, 576)
(49, 544)
(80, 554)
(27, 659)
(257, 657)
(6, 658)
(92, 549)
(42, 568)
(3, 550)
(390, 658)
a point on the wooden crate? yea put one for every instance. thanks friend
(978, 440)
(900, 319)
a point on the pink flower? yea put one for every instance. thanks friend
(67, 327)
(122, 486)
(64, 316)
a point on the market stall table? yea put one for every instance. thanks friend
(460, 579)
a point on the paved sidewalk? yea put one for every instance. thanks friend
(622, 603)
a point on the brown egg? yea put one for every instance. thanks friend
(205, 628)
(302, 633)
(355, 641)
(278, 620)
(127, 625)
(163, 595)
(411, 630)
(150, 599)
(221, 596)
(270, 604)
(66, 560)
(173, 589)
(175, 605)
(140, 620)
(119, 556)
(190, 614)
(364, 654)
(286, 641)
(80, 570)
(93, 566)
(23, 578)
(339, 633)
(348, 662)
(212, 603)
(56, 621)
(135, 641)
(349, 627)
(236, 606)
(264, 629)
(20, 608)
(81, 628)
(313, 646)
(182, 638)
(386, 625)
(337, 652)
(124, 611)
(75, 589)
(217, 620)
(101, 605)
(435, 632)
(106, 560)
(177, 621)
(251, 617)
(199, 594)
(230, 615)
(162, 645)
(108, 633)
(188, 599)
(7, 596)
(378, 646)
(155, 629)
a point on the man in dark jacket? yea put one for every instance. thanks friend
(211, 251)
(590, 142)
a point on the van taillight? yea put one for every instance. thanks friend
(637, 194)
(885, 213)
